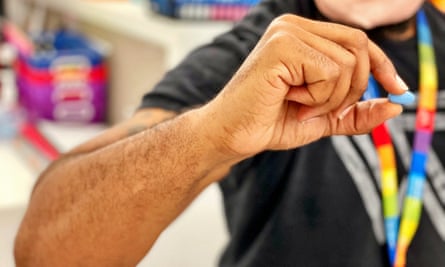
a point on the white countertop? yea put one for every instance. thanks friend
(17, 177)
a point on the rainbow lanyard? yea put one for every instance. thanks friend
(440, 4)
(398, 240)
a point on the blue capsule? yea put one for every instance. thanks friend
(403, 99)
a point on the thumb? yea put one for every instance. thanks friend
(363, 116)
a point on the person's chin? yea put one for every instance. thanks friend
(368, 25)
(362, 25)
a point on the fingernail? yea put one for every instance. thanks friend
(345, 112)
(403, 99)
(401, 83)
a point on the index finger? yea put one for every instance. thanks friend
(384, 72)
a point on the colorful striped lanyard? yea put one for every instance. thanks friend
(440, 4)
(399, 236)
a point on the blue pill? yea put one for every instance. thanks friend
(403, 99)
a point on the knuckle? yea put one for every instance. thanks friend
(278, 25)
(349, 61)
(278, 22)
(332, 71)
(277, 40)
(381, 65)
(360, 38)
(287, 17)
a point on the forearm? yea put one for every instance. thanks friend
(116, 200)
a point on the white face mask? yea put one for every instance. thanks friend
(368, 14)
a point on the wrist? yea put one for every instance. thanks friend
(216, 136)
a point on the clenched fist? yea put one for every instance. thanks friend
(302, 81)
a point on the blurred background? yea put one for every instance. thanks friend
(70, 69)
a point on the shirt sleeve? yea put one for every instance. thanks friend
(205, 71)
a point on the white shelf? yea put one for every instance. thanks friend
(178, 37)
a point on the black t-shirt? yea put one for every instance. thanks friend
(318, 205)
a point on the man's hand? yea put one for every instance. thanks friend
(302, 82)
